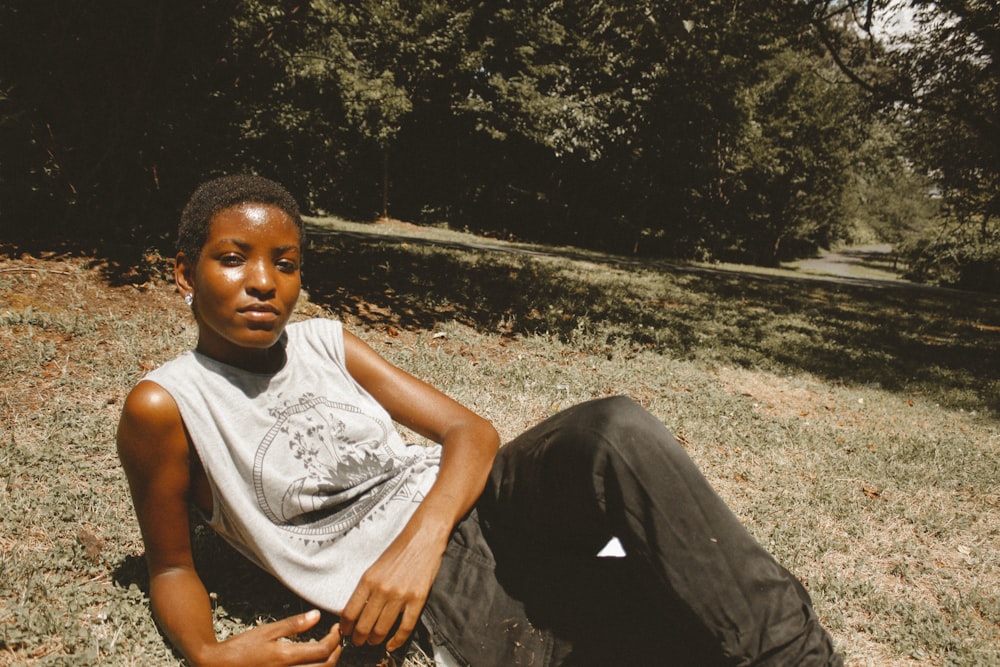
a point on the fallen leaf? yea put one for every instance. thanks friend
(92, 543)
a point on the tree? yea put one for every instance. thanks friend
(887, 199)
(626, 116)
(943, 75)
(109, 112)
(367, 67)
(694, 129)
(794, 158)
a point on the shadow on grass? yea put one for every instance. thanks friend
(241, 592)
(904, 338)
(242, 595)
(120, 262)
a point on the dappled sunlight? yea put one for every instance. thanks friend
(906, 339)
(848, 426)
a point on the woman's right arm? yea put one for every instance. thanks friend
(154, 450)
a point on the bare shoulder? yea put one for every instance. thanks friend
(155, 454)
(151, 406)
(150, 425)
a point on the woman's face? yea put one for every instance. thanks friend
(245, 283)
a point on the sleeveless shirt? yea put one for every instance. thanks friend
(309, 478)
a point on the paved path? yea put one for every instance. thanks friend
(861, 265)
(858, 262)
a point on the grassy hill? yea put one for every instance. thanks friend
(851, 425)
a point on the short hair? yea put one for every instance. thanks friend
(224, 192)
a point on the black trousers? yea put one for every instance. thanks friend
(520, 583)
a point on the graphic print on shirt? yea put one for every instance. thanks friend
(324, 467)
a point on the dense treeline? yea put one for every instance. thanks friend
(753, 131)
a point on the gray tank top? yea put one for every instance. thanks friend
(309, 478)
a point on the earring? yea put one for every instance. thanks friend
(189, 298)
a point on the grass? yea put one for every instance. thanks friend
(853, 428)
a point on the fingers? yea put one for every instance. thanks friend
(377, 619)
(383, 622)
(291, 626)
(331, 645)
(352, 610)
(325, 652)
(409, 621)
(376, 608)
(267, 645)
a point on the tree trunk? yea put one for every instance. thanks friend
(385, 183)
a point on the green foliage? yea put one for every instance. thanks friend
(794, 158)
(622, 125)
(887, 200)
(941, 75)
(958, 255)
(950, 68)
(706, 130)
(110, 112)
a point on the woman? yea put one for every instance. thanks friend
(281, 434)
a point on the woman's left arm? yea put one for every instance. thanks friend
(396, 586)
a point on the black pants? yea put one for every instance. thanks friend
(520, 583)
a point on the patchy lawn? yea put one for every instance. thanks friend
(853, 429)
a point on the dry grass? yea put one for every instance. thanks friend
(853, 430)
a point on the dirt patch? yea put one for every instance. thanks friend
(775, 396)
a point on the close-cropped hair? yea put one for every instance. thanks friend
(224, 192)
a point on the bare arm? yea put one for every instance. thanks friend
(396, 586)
(155, 453)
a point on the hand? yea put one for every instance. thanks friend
(263, 645)
(394, 588)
